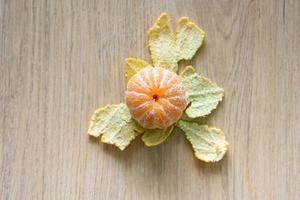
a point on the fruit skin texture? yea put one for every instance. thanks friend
(155, 97)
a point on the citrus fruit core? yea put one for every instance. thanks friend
(155, 97)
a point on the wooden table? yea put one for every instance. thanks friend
(60, 60)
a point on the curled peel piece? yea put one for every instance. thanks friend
(166, 48)
(189, 38)
(161, 39)
(114, 124)
(209, 143)
(156, 136)
(202, 94)
(133, 65)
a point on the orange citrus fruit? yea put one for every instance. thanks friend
(155, 97)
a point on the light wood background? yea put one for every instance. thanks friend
(60, 60)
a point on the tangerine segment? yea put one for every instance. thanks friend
(155, 97)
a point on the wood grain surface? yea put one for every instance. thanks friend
(60, 60)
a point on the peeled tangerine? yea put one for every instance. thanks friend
(155, 97)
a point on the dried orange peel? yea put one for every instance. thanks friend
(157, 97)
